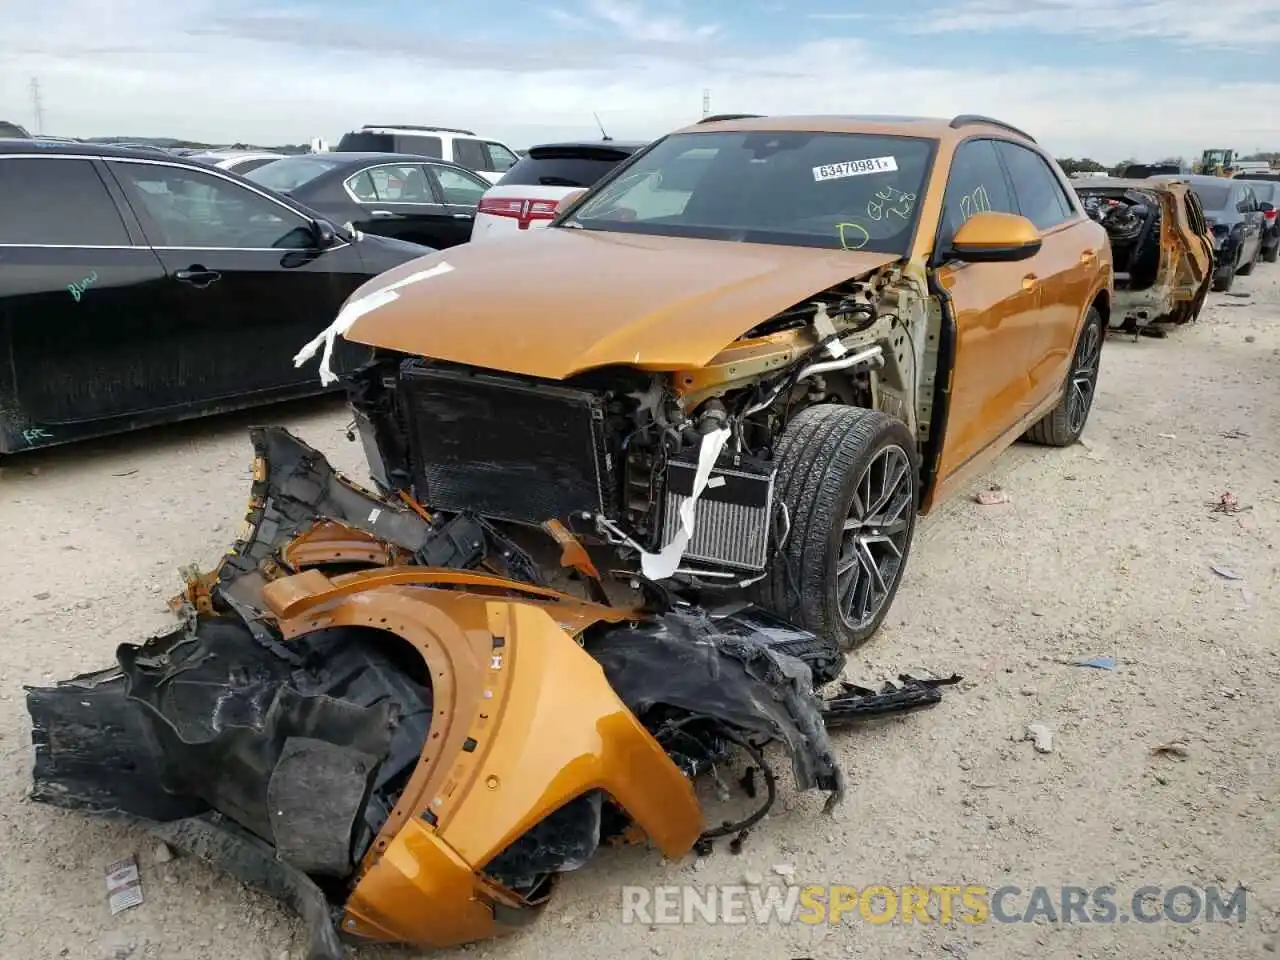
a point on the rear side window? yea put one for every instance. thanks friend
(471, 154)
(1041, 198)
(57, 202)
(977, 185)
(562, 168)
(367, 143)
(419, 146)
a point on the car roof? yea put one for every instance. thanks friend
(364, 156)
(84, 148)
(1194, 178)
(623, 146)
(937, 128)
(1167, 182)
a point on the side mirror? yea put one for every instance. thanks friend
(569, 199)
(991, 237)
(325, 233)
(1266, 207)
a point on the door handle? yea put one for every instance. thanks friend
(1030, 281)
(197, 276)
(381, 213)
(464, 216)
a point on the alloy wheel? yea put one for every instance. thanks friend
(875, 535)
(1084, 377)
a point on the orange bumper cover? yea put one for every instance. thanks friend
(525, 722)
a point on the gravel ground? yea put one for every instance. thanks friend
(1105, 549)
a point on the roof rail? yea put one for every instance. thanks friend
(730, 116)
(965, 119)
(411, 126)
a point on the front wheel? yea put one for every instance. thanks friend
(1062, 425)
(848, 478)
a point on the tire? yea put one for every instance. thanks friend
(1225, 277)
(1062, 425)
(1272, 254)
(832, 459)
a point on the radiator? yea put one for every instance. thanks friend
(731, 518)
(505, 448)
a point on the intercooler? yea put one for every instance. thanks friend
(505, 448)
(731, 518)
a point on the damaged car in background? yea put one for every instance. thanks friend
(639, 481)
(1162, 248)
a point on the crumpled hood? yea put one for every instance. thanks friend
(559, 301)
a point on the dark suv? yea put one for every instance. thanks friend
(137, 288)
(1267, 188)
(1238, 221)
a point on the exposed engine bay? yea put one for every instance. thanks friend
(1160, 263)
(380, 713)
(623, 457)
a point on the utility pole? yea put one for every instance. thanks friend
(706, 103)
(37, 107)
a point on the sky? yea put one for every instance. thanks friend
(1108, 79)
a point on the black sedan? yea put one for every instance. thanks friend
(137, 288)
(432, 202)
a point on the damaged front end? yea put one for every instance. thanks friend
(384, 719)
(1162, 249)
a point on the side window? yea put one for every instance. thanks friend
(471, 154)
(1194, 217)
(457, 187)
(1041, 198)
(361, 187)
(392, 183)
(976, 184)
(500, 158)
(1248, 203)
(188, 208)
(420, 146)
(57, 202)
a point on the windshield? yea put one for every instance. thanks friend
(290, 173)
(1212, 197)
(830, 190)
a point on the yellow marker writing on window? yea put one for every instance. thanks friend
(853, 236)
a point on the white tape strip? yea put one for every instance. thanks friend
(660, 565)
(352, 311)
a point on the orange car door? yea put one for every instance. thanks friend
(1065, 266)
(995, 307)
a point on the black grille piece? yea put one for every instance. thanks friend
(504, 448)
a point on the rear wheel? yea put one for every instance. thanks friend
(848, 478)
(1271, 254)
(1062, 425)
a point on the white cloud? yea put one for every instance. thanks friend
(1239, 24)
(210, 71)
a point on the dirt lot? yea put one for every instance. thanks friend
(1105, 549)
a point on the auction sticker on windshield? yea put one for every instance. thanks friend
(855, 168)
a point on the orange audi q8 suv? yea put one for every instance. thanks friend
(743, 362)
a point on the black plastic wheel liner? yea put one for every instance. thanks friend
(682, 659)
(193, 722)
